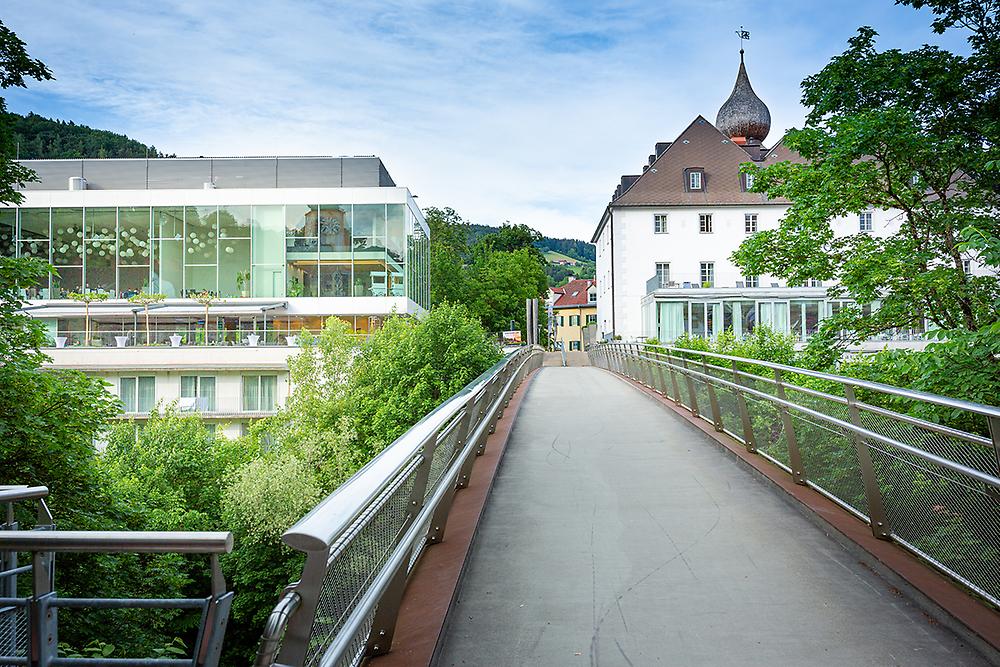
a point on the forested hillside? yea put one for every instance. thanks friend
(36, 137)
(574, 248)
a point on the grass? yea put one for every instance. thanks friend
(553, 256)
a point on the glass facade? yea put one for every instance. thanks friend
(284, 250)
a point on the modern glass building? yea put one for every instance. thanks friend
(247, 253)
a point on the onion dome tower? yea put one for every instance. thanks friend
(744, 118)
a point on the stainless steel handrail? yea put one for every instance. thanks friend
(913, 394)
(353, 579)
(9, 494)
(931, 488)
(111, 541)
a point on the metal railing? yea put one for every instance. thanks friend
(185, 337)
(364, 540)
(932, 488)
(29, 628)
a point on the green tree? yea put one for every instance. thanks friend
(889, 129)
(408, 367)
(87, 298)
(449, 255)
(146, 300)
(502, 282)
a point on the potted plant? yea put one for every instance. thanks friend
(86, 298)
(61, 341)
(146, 300)
(253, 339)
(206, 299)
(121, 341)
(175, 340)
(292, 340)
(295, 287)
(243, 283)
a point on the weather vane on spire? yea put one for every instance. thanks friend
(742, 34)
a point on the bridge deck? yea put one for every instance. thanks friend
(618, 534)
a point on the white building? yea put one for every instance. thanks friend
(281, 244)
(664, 240)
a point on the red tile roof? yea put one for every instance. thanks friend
(573, 293)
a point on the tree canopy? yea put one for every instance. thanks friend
(912, 131)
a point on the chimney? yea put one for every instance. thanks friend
(627, 181)
(652, 159)
(661, 146)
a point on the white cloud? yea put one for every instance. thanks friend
(519, 110)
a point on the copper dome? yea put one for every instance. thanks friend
(744, 117)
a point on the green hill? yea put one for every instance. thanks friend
(39, 138)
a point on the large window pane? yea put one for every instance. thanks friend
(371, 277)
(200, 236)
(189, 386)
(168, 222)
(200, 279)
(396, 232)
(127, 393)
(99, 266)
(301, 221)
(335, 279)
(67, 232)
(251, 393)
(234, 261)
(100, 223)
(133, 236)
(66, 279)
(35, 223)
(268, 390)
(147, 394)
(335, 229)
(303, 278)
(168, 267)
(132, 280)
(206, 392)
(234, 222)
(268, 251)
(8, 228)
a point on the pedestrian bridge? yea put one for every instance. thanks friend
(658, 506)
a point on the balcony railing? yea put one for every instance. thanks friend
(184, 338)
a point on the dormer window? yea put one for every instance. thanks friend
(746, 181)
(694, 179)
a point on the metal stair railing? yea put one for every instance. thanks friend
(365, 539)
(931, 488)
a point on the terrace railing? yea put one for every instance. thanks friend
(29, 625)
(875, 450)
(364, 540)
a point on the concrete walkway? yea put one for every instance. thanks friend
(618, 534)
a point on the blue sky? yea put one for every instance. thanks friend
(510, 110)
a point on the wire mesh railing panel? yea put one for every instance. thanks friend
(950, 518)
(830, 460)
(366, 548)
(355, 653)
(974, 455)
(14, 632)
(768, 430)
(444, 454)
(730, 412)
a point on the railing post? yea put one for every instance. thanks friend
(741, 402)
(873, 492)
(692, 395)
(43, 626)
(994, 426)
(712, 398)
(794, 457)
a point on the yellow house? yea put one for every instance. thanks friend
(574, 306)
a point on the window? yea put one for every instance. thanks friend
(747, 181)
(574, 345)
(660, 224)
(967, 266)
(708, 274)
(199, 387)
(574, 320)
(259, 393)
(865, 222)
(591, 297)
(694, 180)
(750, 223)
(663, 273)
(812, 282)
(752, 281)
(705, 223)
(138, 394)
(562, 320)
(591, 319)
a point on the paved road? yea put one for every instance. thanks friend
(618, 534)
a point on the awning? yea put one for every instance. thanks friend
(186, 308)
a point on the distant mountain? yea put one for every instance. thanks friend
(39, 138)
(575, 248)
